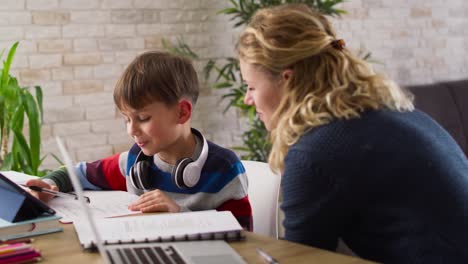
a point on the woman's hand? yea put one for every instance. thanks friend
(154, 201)
(45, 197)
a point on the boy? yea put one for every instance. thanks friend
(171, 165)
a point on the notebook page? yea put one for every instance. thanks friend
(18, 177)
(103, 204)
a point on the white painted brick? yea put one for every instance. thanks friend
(94, 99)
(153, 42)
(64, 115)
(12, 5)
(90, 58)
(90, 17)
(121, 137)
(108, 57)
(380, 13)
(107, 126)
(82, 31)
(82, 87)
(11, 33)
(41, 4)
(86, 44)
(112, 44)
(150, 4)
(45, 61)
(116, 31)
(135, 43)
(119, 148)
(42, 32)
(15, 18)
(152, 16)
(109, 85)
(179, 16)
(54, 46)
(24, 46)
(101, 112)
(150, 29)
(116, 4)
(28, 76)
(372, 3)
(50, 17)
(216, 4)
(86, 140)
(72, 128)
(46, 130)
(58, 102)
(80, 4)
(126, 16)
(53, 88)
(63, 73)
(105, 71)
(125, 57)
(20, 62)
(93, 153)
(83, 72)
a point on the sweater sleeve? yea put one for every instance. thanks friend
(241, 209)
(312, 203)
(104, 174)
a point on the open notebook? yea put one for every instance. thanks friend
(135, 236)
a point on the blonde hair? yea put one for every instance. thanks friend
(327, 82)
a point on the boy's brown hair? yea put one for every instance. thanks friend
(156, 76)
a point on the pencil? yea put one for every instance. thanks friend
(15, 241)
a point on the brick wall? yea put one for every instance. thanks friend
(76, 49)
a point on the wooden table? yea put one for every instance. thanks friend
(63, 247)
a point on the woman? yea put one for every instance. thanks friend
(358, 162)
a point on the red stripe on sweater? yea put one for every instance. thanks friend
(111, 171)
(241, 209)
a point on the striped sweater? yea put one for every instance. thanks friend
(222, 185)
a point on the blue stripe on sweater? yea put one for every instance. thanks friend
(221, 167)
(210, 182)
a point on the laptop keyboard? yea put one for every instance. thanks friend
(145, 254)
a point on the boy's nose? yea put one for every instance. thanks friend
(132, 129)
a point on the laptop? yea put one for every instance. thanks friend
(194, 252)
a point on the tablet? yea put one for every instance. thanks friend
(17, 204)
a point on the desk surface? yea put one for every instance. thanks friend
(63, 247)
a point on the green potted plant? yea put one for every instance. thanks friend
(18, 106)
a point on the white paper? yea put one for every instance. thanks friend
(18, 177)
(103, 204)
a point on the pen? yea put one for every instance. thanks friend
(60, 194)
(266, 257)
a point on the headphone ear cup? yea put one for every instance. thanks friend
(133, 177)
(178, 172)
(142, 168)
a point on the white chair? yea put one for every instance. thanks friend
(263, 196)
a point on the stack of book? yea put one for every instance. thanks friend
(37, 226)
(18, 252)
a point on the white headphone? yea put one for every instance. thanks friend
(185, 174)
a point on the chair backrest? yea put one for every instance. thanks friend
(263, 196)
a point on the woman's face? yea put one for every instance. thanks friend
(263, 91)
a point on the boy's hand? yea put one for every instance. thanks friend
(154, 201)
(45, 197)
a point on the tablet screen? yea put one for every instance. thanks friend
(17, 204)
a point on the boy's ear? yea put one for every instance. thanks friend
(185, 111)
